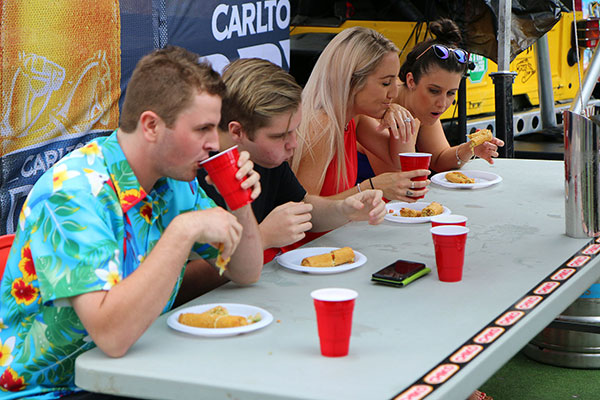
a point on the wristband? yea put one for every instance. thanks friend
(371, 182)
(358, 187)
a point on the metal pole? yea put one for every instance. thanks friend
(588, 84)
(545, 89)
(462, 110)
(503, 80)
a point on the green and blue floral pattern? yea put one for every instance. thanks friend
(86, 225)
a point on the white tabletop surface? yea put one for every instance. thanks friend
(516, 239)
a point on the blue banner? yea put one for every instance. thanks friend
(64, 74)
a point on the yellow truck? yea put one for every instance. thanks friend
(480, 101)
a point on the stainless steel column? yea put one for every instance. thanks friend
(545, 89)
(582, 177)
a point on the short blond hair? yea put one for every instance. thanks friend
(257, 90)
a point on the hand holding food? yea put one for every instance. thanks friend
(217, 317)
(479, 137)
(331, 259)
(458, 177)
(222, 263)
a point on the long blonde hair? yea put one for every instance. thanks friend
(339, 73)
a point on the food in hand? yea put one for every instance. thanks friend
(217, 317)
(331, 259)
(222, 263)
(458, 177)
(479, 137)
(432, 209)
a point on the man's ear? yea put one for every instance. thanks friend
(149, 123)
(236, 131)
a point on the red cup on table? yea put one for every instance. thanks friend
(222, 168)
(449, 242)
(412, 161)
(448, 219)
(334, 308)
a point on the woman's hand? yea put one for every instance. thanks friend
(400, 123)
(398, 186)
(487, 150)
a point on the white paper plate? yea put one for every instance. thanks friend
(293, 259)
(234, 309)
(482, 179)
(396, 206)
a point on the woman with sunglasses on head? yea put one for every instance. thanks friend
(430, 77)
(348, 99)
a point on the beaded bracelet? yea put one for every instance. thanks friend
(460, 162)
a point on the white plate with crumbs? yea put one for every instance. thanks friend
(393, 212)
(293, 260)
(234, 309)
(482, 179)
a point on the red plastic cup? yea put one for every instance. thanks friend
(449, 242)
(448, 219)
(222, 168)
(412, 161)
(334, 307)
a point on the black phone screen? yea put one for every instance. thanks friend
(400, 270)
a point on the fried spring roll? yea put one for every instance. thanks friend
(479, 137)
(320, 260)
(203, 320)
(222, 263)
(230, 321)
(409, 212)
(343, 256)
(458, 177)
(217, 317)
(432, 209)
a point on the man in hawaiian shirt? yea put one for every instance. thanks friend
(105, 235)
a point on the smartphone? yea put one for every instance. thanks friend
(400, 273)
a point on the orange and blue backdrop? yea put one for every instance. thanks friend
(66, 63)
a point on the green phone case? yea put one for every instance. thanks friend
(404, 282)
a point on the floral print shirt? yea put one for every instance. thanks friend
(86, 225)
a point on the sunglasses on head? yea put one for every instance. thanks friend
(442, 52)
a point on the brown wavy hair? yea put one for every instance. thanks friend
(165, 82)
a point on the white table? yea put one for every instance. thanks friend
(399, 334)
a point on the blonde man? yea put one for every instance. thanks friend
(261, 111)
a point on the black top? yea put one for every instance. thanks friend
(278, 186)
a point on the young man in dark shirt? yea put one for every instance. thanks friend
(261, 110)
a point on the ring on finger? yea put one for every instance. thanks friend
(412, 185)
(408, 120)
(409, 193)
